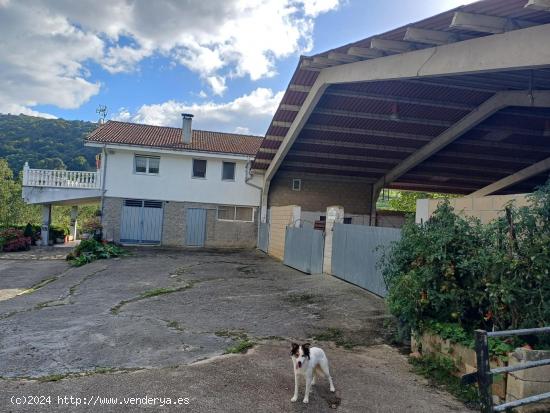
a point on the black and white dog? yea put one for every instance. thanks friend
(309, 362)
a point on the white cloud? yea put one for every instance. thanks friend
(47, 44)
(123, 115)
(42, 59)
(250, 113)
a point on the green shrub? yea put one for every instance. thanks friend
(454, 270)
(90, 250)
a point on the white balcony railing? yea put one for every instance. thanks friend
(60, 178)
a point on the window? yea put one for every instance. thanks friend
(296, 184)
(199, 168)
(235, 213)
(244, 214)
(146, 164)
(228, 171)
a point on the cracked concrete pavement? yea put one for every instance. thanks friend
(157, 322)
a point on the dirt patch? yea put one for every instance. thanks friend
(8, 293)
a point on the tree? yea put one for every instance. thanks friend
(13, 210)
(406, 200)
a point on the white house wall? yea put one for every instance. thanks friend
(175, 182)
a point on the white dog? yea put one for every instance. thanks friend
(308, 361)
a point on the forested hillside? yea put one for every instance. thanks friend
(45, 143)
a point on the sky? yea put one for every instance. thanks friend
(226, 61)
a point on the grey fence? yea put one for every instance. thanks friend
(263, 236)
(355, 254)
(304, 249)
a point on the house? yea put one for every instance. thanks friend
(163, 185)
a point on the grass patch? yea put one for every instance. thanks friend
(242, 346)
(150, 293)
(234, 334)
(175, 325)
(38, 285)
(52, 377)
(440, 372)
(301, 298)
(338, 337)
(97, 370)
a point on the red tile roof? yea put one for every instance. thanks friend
(164, 137)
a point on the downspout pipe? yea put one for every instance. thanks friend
(103, 177)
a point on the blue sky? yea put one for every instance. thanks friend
(226, 62)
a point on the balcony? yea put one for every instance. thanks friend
(42, 186)
(61, 178)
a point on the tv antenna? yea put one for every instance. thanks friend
(102, 112)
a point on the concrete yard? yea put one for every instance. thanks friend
(157, 324)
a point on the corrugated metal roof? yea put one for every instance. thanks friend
(386, 111)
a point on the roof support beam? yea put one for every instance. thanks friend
(346, 168)
(487, 24)
(434, 37)
(484, 54)
(400, 99)
(343, 57)
(332, 144)
(369, 132)
(515, 178)
(377, 116)
(486, 109)
(365, 52)
(392, 46)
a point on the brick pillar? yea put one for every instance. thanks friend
(335, 215)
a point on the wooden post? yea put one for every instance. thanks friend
(484, 378)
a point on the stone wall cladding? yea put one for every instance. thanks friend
(318, 193)
(112, 213)
(234, 234)
(173, 224)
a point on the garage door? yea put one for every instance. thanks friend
(141, 222)
(196, 227)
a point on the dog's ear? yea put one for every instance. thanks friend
(306, 347)
(294, 348)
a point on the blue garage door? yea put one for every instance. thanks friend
(196, 227)
(141, 222)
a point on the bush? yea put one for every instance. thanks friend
(91, 250)
(13, 239)
(455, 270)
(92, 225)
(57, 231)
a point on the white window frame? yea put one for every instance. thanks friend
(299, 181)
(234, 171)
(193, 168)
(147, 158)
(235, 213)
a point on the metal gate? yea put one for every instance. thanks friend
(304, 249)
(355, 254)
(141, 222)
(263, 236)
(196, 227)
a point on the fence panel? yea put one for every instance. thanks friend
(355, 254)
(304, 249)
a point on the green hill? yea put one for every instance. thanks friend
(45, 143)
